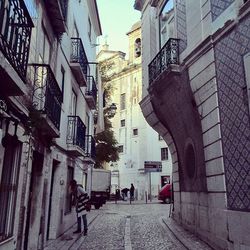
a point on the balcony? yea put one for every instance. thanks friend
(57, 11)
(76, 136)
(46, 98)
(91, 92)
(166, 62)
(79, 62)
(90, 149)
(15, 35)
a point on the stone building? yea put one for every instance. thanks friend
(138, 142)
(196, 96)
(48, 95)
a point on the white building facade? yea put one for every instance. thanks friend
(138, 142)
(195, 65)
(48, 96)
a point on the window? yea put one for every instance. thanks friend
(120, 149)
(68, 203)
(138, 47)
(88, 124)
(166, 22)
(45, 48)
(8, 188)
(89, 28)
(164, 154)
(63, 79)
(73, 103)
(122, 123)
(135, 131)
(123, 103)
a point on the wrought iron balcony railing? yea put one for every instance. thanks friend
(90, 147)
(168, 55)
(91, 92)
(76, 132)
(47, 96)
(15, 33)
(78, 56)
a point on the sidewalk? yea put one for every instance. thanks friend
(66, 240)
(189, 240)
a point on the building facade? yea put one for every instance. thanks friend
(48, 95)
(196, 66)
(138, 143)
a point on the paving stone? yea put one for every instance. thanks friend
(125, 226)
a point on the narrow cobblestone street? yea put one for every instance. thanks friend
(126, 226)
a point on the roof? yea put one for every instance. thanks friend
(134, 27)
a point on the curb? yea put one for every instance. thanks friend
(188, 239)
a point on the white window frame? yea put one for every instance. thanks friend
(164, 154)
(122, 123)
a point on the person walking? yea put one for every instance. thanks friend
(132, 191)
(81, 198)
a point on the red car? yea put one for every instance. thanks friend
(165, 193)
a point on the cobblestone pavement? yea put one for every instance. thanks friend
(124, 226)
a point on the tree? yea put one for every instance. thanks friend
(107, 149)
(106, 145)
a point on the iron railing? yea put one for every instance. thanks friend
(15, 34)
(90, 147)
(78, 55)
(47, 95)
(169, 54)
(91, 87)
(76, 132)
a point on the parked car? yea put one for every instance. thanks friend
(165, 193)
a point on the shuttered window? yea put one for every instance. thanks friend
(8, 188)
(123, 101)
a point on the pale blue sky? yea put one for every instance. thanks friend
(117, 18)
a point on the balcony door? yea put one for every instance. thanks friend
(166, 22)
(73, 103)
(41, 73)
(44, 48)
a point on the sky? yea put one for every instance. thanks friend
(117, 18)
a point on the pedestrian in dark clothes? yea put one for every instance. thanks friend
(132, 191)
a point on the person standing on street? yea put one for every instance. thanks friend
(132, 191)
(81, 199)
(125, 193)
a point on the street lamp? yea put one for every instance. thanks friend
(111, 110)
